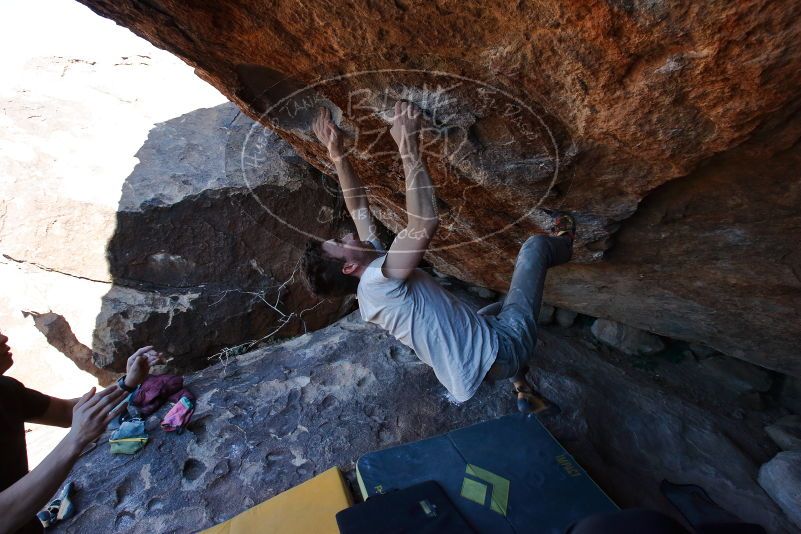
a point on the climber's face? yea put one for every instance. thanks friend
(5, 355)
(352, 251)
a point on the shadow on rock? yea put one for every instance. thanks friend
(210, 226)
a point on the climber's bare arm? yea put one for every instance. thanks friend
(58, 413)
(352, 188)
(411, 243)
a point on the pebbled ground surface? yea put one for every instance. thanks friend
(275, 417)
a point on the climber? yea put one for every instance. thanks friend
(23, 493)
(462, 346)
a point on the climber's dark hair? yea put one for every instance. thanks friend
(322, 274)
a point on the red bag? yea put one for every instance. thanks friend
(155, 391)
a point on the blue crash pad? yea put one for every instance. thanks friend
(506, 475)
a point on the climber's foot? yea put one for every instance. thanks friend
(529, 400)
(564, 225)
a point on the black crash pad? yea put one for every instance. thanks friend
(419, 509)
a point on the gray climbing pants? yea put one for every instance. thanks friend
(516, 322)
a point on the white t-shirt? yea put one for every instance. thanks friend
(442, 330)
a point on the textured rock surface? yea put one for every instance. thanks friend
(625, 338)
(790, 394)
(740, 376)
(177, 243)
(205, 245)
(781, 478)
(679, 120)
(270, 419)
(700, 351)
(546, 314)
(786, 432)
(77, 106)
(564, 317)
(58, 333)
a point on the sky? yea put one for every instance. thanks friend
(31, 28)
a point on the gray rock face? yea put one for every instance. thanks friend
(546, 314)
(204, 250)
(208, 243)
(701, 351)
(674, 131)
(632, 428)
(126, 222)
(786, 432)
(790, 395)
(482, 292)
(270, 419)
(781, 479)
(738, 375)
(565, 317)
(626, 338)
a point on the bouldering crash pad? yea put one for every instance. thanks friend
(310, 508)
(504, 475)
(420, 509)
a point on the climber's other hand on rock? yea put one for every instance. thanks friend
(93, 412)
(139, 364)
(406, 126)
(328, 133)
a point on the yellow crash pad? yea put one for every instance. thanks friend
(310, 507)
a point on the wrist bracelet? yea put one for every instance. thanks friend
(121, 384)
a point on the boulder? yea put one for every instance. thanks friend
(786, 432)
(546, 314)
(272, 418)
(752, 400)
(59, 334)
(482, 292)
(626, 338)
(790, 394)
(781, 479)
(670, 131)
(738, 375)
(631, 431)
(564, 317)
(701, 351)
(156, 227)
(206, 244)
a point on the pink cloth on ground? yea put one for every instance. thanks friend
(180, 414)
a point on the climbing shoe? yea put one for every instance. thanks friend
(529, 400)
(564, 225)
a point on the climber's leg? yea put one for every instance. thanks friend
(517, 319)
(521, 307)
